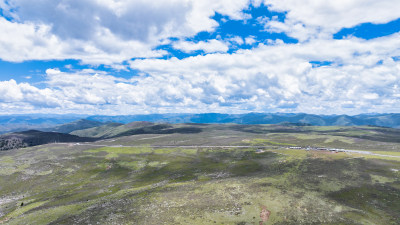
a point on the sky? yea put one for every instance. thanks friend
(119, 57)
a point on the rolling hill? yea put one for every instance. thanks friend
(117, 130)
(75, 125)
(100, 131)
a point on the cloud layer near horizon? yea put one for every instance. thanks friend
(226, 73)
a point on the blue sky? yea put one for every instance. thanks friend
(132, 57)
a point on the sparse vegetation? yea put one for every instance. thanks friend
(113, 184)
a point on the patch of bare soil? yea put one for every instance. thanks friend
(264, 214)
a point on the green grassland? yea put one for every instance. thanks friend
(191, 184)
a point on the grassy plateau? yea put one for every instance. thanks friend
(214, 174)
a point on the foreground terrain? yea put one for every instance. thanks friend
(207, 174)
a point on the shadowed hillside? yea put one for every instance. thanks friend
(135, 128)
(35, 137)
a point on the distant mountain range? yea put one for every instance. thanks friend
(13, 123)
(386, 120)
(67, 123)
(102, 127)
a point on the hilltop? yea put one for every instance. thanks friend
(75, 125)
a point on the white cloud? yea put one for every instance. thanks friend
(360, 76)
(103, 31)
(250, 40)
(112, 31)
(206, 46)
(266, 78)
(23, 93)
(10, 91)
(236, 40)
(280, 77)
(29, 41)
(371, 96)
(320, 19)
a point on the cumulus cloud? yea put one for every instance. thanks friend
(97, 92)
(236, 40)
(320, 19)
(267, 78)
(11, 92)
(112, 31)
(316, 75)
(282, 77)
(206, 46)
(103, 31)
(30, 41)
(250, 40)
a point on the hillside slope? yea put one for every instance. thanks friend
(75, 125)
(135, 128)
(100, 131)
(35, 137)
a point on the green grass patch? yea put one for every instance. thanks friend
(268, 142)
(134, 165)
(114, 152)
(379, 203)
(7, 160)
(23, 209)
(46, 216)
(386, 153)
(366, 156)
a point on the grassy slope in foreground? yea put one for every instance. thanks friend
(67, 184)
